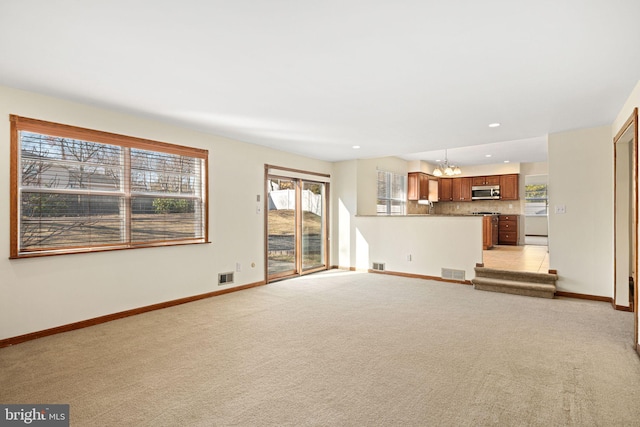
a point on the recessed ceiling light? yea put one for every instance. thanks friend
(494, 125)
(355, 147)
(487, 155)
(506, 161)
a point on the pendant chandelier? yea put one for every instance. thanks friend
(445, 168)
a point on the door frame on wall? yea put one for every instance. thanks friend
(299, 177)
(625, 234)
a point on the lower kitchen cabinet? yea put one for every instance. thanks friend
(489, 231)
(508, 229)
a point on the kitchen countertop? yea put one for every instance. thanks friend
(427, 215)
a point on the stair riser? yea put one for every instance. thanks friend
(514, 291)
(518, 277)
(484, 281)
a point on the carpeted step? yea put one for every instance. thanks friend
(532, 289)
(517, 276)
(542, 285)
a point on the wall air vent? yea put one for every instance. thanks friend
(378, 266)
(451, 274)
(225, 278)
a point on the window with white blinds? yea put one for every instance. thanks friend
(78, 190)
(392, 193)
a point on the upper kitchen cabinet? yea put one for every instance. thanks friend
(445, 186)
(461, 189)
(413, 186)
(486, 180)
(422, 187)
(454, 189)
(508, 186)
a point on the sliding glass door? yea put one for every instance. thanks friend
(295, 226)
(313, 235)
(281, 227)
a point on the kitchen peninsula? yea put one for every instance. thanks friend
(434, 237)
(430, 246)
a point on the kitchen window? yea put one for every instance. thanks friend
(79, 190)
(536, 200)
(392, 193)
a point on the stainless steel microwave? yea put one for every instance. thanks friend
(485, 192)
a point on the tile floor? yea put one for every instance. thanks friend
(517, 258)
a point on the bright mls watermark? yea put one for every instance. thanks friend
(34, 415)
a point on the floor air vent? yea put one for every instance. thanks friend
(450, 273)
(378, 266)
(225, 278)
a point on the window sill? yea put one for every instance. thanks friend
(37, 254)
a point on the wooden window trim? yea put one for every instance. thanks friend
(18, 123)
(67, 131)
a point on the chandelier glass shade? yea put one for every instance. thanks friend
(445, 168)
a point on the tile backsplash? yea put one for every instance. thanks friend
(507, 207)
(514, 207)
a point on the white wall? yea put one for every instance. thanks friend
(344, 203)
(493, 169)
(632, 102)
(432, 242)
(536, 226)
(534, 168)
(367, 188)
(42, 293)
(581, 240)
(476, 170)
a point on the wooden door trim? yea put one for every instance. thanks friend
(281, 172)
(632, 121)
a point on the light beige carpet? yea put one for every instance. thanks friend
(341, 349)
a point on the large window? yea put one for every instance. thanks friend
(78, 190)
(392, 193)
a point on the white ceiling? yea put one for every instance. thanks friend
(318, 77)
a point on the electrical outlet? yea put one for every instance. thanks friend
(561, 209)
(238, 267)
(409, 257)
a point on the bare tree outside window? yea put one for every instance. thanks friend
(74, 193)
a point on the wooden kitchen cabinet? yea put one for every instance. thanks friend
(421, 186)
(486, 180)
(509, 187)
(445, 187)
(461, 189)
(414, 185)
(508, 229)
(489, 231)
